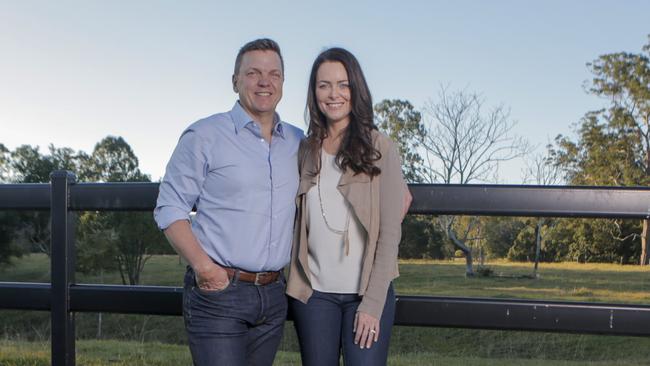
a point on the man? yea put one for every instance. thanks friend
(240, 170)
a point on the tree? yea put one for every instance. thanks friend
(613, 144)
(122, 241)
(458, 142)
(584, 240)
(96, 251)
(28, 165)
(109, 241)
(95, 243)
(422, 240)
(523, 245)
(399, 120)
(541, 170)
(130, 238)
(65, 158)
(500, 235)
(9, 247)
(8, 221)
(138, 239)
(113, 160)
(463, 143)
(4, 163)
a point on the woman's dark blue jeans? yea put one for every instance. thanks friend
(324, 326)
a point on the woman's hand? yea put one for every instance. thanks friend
(366, 329)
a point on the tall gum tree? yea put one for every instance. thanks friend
(613, 144)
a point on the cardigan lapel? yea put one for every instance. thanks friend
(357, 191)
(355, 188)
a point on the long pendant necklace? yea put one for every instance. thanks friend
(343, 232)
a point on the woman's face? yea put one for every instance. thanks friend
(333, 92)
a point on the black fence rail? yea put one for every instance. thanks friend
(63, 296)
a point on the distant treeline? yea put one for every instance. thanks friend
(106, 241)
(453, 139)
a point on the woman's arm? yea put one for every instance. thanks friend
(407, 201)
(391, 201)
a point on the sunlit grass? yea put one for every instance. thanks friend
(610, 283)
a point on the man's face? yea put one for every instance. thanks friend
(259, 82)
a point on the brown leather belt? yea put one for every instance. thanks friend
(258, 278)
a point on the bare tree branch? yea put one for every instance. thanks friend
(464, 143)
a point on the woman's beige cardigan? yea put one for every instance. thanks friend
(377, 202)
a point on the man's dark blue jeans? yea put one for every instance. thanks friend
(239, 325)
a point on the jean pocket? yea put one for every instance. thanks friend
(211, 293)
(194, 286)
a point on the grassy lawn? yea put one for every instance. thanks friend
(160, 340)
(557, 281)
(121, 353)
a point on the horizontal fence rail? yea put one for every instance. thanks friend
(63, 297)
(26, 196)
(521, 200)
(530, 315)
(113, 196)
(457, 312)
(428, 199)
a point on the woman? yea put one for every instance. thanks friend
(350, 203)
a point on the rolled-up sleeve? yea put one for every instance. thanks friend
(184, 177)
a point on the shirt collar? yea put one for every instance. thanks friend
(241, 119)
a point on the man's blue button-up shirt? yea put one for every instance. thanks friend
(243, 187)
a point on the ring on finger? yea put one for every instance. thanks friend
(372, 331)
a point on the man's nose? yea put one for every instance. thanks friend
(264, 80)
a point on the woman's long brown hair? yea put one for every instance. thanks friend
(356, 151)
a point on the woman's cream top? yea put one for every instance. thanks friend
(333, 267)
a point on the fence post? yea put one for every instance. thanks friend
(62, 249)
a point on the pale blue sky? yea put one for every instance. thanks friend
(72, 72)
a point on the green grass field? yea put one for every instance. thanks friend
(120, 353)
(159, 340)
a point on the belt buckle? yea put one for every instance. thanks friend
(257, 278)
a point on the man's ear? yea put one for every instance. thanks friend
(234, 83)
